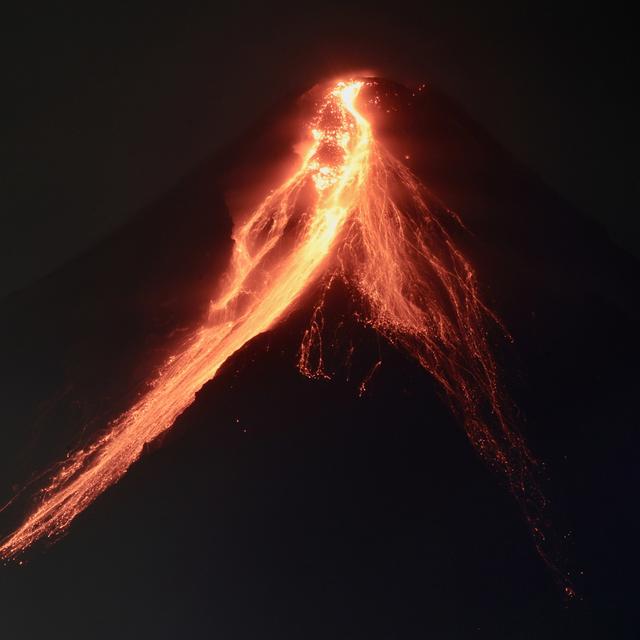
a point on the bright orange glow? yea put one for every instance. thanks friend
(263, 281)
(350, 211)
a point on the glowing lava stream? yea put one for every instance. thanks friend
(260, 288)
(350, 211)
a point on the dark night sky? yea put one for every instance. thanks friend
(329, 515)
(106, 106)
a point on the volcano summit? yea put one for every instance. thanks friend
(352, 245)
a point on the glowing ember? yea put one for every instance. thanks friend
(350, 211)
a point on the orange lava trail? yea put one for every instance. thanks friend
(418, 291)
(262, 283)
(370, 223)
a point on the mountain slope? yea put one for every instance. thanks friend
(283, 507)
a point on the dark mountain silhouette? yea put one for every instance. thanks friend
(282, 507)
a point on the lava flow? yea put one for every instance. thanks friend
(350, 211)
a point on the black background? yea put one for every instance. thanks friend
(280, 507)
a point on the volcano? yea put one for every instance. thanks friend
(350, 504)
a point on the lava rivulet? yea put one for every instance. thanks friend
(351, 211)
(262, 283)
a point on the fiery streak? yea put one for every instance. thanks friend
(264, 279)
(350, 211)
